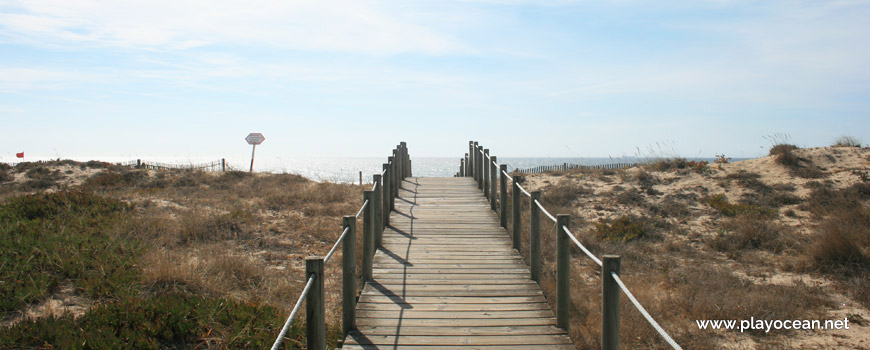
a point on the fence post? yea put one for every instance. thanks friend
(609, 304)
(486, 167)
(502, 181)
(407, 159)
(386, 194)
(516, 216)
(391, 161)
(478, 165)
(493, 170)
(348, 275)
(315, 330)
(535, 236)
(563, 271)
(378, 210)
(470, 157)
(368, 234)
(223, 164)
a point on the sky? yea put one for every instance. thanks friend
(556, 78)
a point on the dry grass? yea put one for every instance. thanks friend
(722, 267)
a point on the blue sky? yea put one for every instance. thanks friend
(353, 78)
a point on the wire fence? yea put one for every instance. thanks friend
(480, 165)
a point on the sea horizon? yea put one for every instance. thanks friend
(347, 169)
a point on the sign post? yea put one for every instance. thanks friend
(254, 139)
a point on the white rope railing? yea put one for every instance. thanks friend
(645, 314)
(361, 210)
(580, 245)
(293, 313)
(591, 256)
(545, 211)
(337, 243)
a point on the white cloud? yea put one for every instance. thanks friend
(345, 25)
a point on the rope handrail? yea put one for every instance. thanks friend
(586, 251)
(337, 243)
(362, 209)
(374, 186)
(293, 313)
(523, 190)
(580, 245)
(645, 314)
(545, 211)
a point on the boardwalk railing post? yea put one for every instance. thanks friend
(386, 194)
(368, 234)
(391, 161)
(609, 304)
(516, 216)
(486, 167)
(378, 210)
(478, 167)
(502, 181)
(535, 236)
(563, 273)
(315, 330)
(493, 172)
(470, 158)
(348, 275)
(461, 167)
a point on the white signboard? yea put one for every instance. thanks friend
(255, 138)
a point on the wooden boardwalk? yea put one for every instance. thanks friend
(446, 277)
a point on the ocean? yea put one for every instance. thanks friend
(345, 170)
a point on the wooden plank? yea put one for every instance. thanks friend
(357, 338)
(459, 347)
(447, 277)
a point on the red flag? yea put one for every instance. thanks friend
(19, 155)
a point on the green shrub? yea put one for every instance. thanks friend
(51, 237)
(622, 229)
(170, 321)
(720, 203)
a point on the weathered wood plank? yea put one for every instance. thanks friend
(447, 277)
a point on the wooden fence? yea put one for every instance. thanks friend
(216, 165)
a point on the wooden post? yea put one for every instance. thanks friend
(462, 167)
(368, 234)
(254, 149)
(502, 181)
(315, 330)
(138, 163)
(467, 165)
(535, 236)
(408, 163)
(478, 165)
(563, 271)
(486, 167)
(393, 181)
(378, 211)
(360, 177)
(470, 157)
(386, 194)
(609, 304)
(516, 216)
(223, 164)
(348, 275)
(493, 173)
